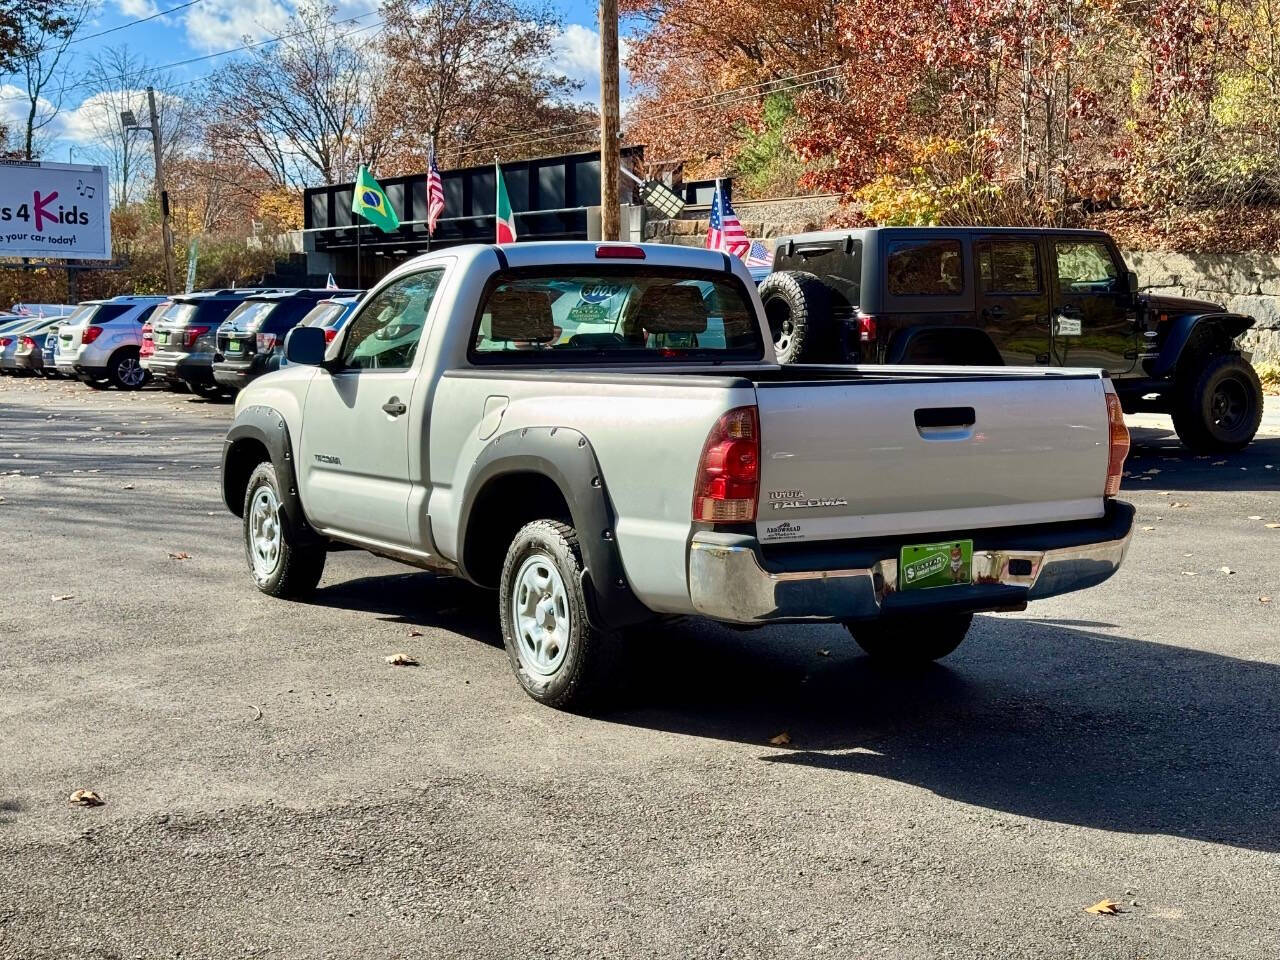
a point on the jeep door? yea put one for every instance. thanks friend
(1093, 314)
(360, 421)
(1013, 298)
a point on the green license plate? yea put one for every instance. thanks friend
(162, 337)
(233, 346)
(935, 564)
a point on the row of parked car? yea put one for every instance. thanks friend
(208, 342)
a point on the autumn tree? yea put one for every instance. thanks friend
(301, 110)
(474, 77)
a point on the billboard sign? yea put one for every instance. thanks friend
(54, 211)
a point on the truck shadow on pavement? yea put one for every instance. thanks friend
(1029, 718)
(1180, 469)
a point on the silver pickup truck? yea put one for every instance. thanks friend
(601, 433)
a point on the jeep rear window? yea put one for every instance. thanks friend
(107, 312)
(925, 268)
(616, 313)
(1009, 266)
(178, 314)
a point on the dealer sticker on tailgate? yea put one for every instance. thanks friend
(935, 564)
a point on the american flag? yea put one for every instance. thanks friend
(435, 194)
(726, 233)
(759, 255)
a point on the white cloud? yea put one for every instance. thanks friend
(576, 55)
(222, 24)
(136, 9)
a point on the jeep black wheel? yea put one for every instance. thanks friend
(796, 305)
(906, 641)
(559, 658)
(1221, 408)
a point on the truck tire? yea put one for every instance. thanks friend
(560, 659)
(798, 308)
(911, 640)
(279, 563)
(125, 371)
(1218, 408)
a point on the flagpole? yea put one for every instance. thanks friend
(497, 184)
(358, 287)
(431, 162)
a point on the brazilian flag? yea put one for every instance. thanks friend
(370, 201)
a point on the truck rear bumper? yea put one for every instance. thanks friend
(731, 580)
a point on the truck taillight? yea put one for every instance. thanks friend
(727, 485)
(329, 334)
(148, 347)
(1118, 443)
(191, 334)
(866, 329)
(90, 334)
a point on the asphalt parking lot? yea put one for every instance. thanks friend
(274, 788)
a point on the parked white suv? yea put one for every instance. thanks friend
(99, 342)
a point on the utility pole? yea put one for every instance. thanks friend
(610, 212)
(162, 195)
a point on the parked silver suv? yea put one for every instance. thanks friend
(99, 343)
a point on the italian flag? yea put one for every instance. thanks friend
(506, 219)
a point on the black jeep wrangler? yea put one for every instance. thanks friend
(1005, 295)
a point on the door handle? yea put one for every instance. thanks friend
(995, 313)
(394, 407)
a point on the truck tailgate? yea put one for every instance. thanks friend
(925, 454)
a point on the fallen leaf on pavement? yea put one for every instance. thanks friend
(1273, 526)
(61, 596)
(85, 798)
(781, 740)
(1254, 517)
(180, 556)
(1148, 528)
(1218, 463)
(402, 660)
(257, 711)
(1188, 573)
(1105, 907)
(1264, 599)
(1179, 504)
(127, 486)
(1227, 570)
(415, 633)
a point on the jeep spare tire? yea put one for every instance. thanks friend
(797, 306)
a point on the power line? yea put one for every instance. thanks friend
(210, 56)
(134, 23)
(699, 104)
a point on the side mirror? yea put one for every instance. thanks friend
(1133, 282)
(305, 345)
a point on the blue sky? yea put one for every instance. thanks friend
(210, 26)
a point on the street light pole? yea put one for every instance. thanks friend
(610, 212)
(161, 194)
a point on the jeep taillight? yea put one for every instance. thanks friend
(866, 328)
(191, 334)
(1118, 442)
(90, 334)
(266, 342)
(329, 334)
(727, 484)
(148, 347)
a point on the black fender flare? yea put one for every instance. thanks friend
(1184, 329)
(564, 456)
(267, 427)
(906, 339)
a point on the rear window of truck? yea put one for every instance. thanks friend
(635, 314)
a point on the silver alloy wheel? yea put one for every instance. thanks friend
(131, 372)
(540, 614)
(264, 532)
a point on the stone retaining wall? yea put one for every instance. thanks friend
(1245, 282)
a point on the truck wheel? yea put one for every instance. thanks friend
(558, 657)
(911, 640)
(281, 565)
(797, 306)
(1221, 408)
(126, 372)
